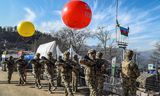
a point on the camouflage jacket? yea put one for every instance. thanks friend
(76, 67)
(89, 66)
(65, 66)
(21, 64)
(36, 65)
(50, 65)
(10, 64)
(101, 66)
(130, 69)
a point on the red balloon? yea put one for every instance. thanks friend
(76, 14)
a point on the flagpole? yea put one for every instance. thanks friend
(116, 20)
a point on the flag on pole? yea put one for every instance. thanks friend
(124, 31)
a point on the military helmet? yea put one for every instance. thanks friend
(66, 53)
(49, 53)
(38, 54)
(91, 51)
(75, 56)
(129, 52)
(99, 54)
(22, 57)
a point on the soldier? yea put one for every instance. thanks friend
(50, 70)
(101, 67)
(129, 74)
(37, 66)
(10, 67)
(89, 63)
(65, 67)
(59, 71)
(75, 73)
(21, 66)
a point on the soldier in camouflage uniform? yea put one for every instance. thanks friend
(37, 68)
(75, 73)
(101, 67)
(59, 71)
(129, 74)
(89, 63)
(50, 70)
(21, 66)
(10, 67)
(65, 67)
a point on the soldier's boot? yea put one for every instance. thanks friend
(20, 82)
(49, 91)
(24, 83)
(9, 82)
(69, 91)
(66, 93)
(49, 88)
(9, 79)
(39, 85)
(36, 85)
(52, 85)
(70, 94)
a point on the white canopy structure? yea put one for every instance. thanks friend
(72, 52)
(59, 52)
(43, 49)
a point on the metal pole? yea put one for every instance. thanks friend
(116, 20)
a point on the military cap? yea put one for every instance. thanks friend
(37, 54)
(129, 52)
(66, 53)
(91, 51)
(49, 53)
(99, 54)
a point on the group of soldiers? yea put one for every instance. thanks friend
(66, 70)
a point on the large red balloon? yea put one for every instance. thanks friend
(76, 14)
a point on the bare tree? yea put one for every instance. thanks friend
(103, 36)
(156, 54)
(68, 37)
(43, 38)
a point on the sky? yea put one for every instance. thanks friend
(142, 16)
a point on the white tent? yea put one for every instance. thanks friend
(59, 52)
(72, 52)
(43, 49)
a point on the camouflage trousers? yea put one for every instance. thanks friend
(37, 78)
(74, 82)
(10, 72)
(22, 76)
(50, 82)
(67, 80)
(129, 87)
(91, 83)
(58, 77)
(99, 84)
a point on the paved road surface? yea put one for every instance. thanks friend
(29, 90)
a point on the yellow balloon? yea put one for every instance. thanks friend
(26, 29)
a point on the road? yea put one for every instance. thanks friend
(29, 89)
